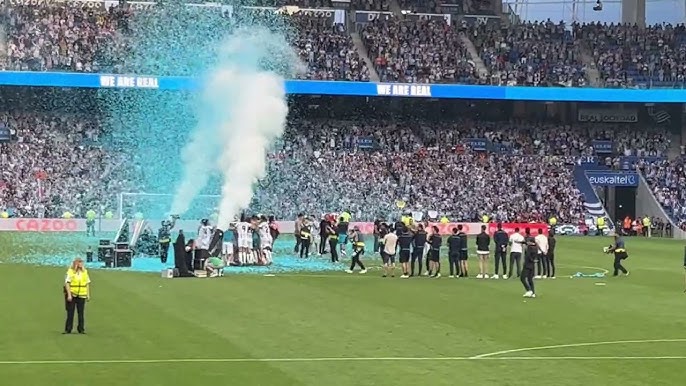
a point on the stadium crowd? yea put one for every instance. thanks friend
(668, 181)
(362, 166)
(55, 165)
(531, 54)
(65, 37)
(629, 56)
(424, 51)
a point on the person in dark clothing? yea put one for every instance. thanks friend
(500, 239)
(333, 241)
(454, 248)
(377, 226)
(405, 240)
(464, 251)
(418, 244)
(551, 253)
(305, 241)
(383, 231)
(530, 255)
(298, 226)
(180, 255)
(435, 253)
(190, 256)
(358, 251)
(483, 244)
(517, 244)
(164, 237)
(620, 253)
(323, 235)
(273, 228)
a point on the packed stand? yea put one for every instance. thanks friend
(530, 138)
(531, 54)
(421, 51)
(330, 166)
(69, 38)
(328, 50)
(627, 56)
(55, 164)
(668, 182)
(465, 185)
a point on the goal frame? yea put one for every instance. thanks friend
(120, 208)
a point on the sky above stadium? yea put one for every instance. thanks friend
(657, 11)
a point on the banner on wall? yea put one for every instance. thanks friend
(191, 226)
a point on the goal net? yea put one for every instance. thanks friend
(156, 206)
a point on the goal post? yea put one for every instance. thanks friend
(157, 206)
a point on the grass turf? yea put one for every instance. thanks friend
(135, 316)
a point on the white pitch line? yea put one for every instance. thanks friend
(603, 270)
(572, 345)
(332, 359)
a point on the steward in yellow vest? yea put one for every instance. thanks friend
(76, 292)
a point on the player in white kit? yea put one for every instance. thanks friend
(244, 239)
(204, 239)
(266, 242)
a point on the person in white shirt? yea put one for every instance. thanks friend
(542, 245)
(204, 240)
(265, 241)
(244, 239)
(516, 249)
(390, 243)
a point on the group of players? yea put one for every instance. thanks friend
(531, 256)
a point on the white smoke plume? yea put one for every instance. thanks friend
(244, 110)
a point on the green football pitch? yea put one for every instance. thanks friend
(337, 329)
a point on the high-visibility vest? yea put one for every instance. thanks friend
(552, 221)
(78, 282)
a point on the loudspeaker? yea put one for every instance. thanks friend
(104, 242)
(121, 245)
(122, 258)
(103, 250)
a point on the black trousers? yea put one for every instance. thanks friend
(77, 305)
(500, 257)
(164, 251)
(454, 262)
(618, 264)
(417, 254)
(544, 265)
(304, 248)
(322, 243)
(356, 259)
(515, 258)
(333, 243)
(551, 264)
(527, 278)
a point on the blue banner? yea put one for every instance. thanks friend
(477, 144)
(5, 135)
(365, 143)
(587, 160)
(611, 178)
(318, 87)
(602, 147)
